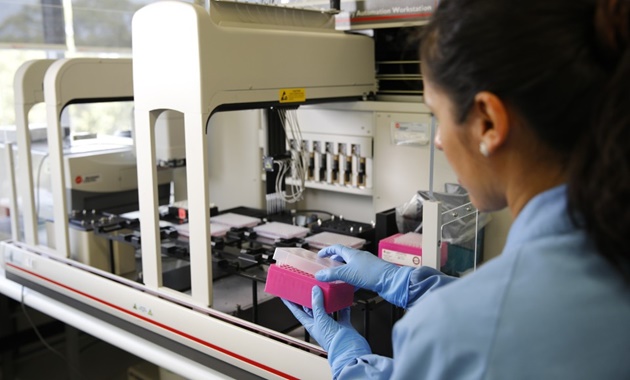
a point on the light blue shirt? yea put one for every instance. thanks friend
(549, 307)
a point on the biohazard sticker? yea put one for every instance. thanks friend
(292, 95)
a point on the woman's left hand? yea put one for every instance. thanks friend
(343, 343)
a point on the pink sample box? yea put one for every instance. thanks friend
(293, 278)
(406, 249)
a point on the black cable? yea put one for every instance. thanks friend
(41, 338)
(39, 172)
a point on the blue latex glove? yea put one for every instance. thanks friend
(343, 343)
(364, 270)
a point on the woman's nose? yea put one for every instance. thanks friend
(438, 140)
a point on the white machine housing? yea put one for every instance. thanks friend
(236, 56)
(100, 173)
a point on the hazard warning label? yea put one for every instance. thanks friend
(292, 95)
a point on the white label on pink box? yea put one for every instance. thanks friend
(401, 258)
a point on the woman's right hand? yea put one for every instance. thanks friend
(364, 270)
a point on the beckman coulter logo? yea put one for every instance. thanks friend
(87, 179)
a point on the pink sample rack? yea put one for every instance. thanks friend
(293, 278)
(406, 249)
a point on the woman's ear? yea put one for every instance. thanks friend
(493, 121)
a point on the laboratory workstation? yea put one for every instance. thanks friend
(235, 141)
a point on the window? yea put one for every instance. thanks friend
(38, 29)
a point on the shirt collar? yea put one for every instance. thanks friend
(545, 214)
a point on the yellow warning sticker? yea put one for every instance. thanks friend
(292, 95)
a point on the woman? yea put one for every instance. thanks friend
(533, 100)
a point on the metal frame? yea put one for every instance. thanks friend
(13, 205)
(203, 62)
(68, 81)
(28, 87)
(238, 343)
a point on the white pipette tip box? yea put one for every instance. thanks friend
(292, 277)
(277, 230)
(326, 239)
(218, 230)
(235, 220)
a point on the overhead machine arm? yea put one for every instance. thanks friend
(231, 56)
(70, 81)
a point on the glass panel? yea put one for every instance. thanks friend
(104, 23)
(21, 22)
(102, 119)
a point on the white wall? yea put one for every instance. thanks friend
(401, 170)
(235, 159)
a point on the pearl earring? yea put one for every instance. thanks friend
(483, 148)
